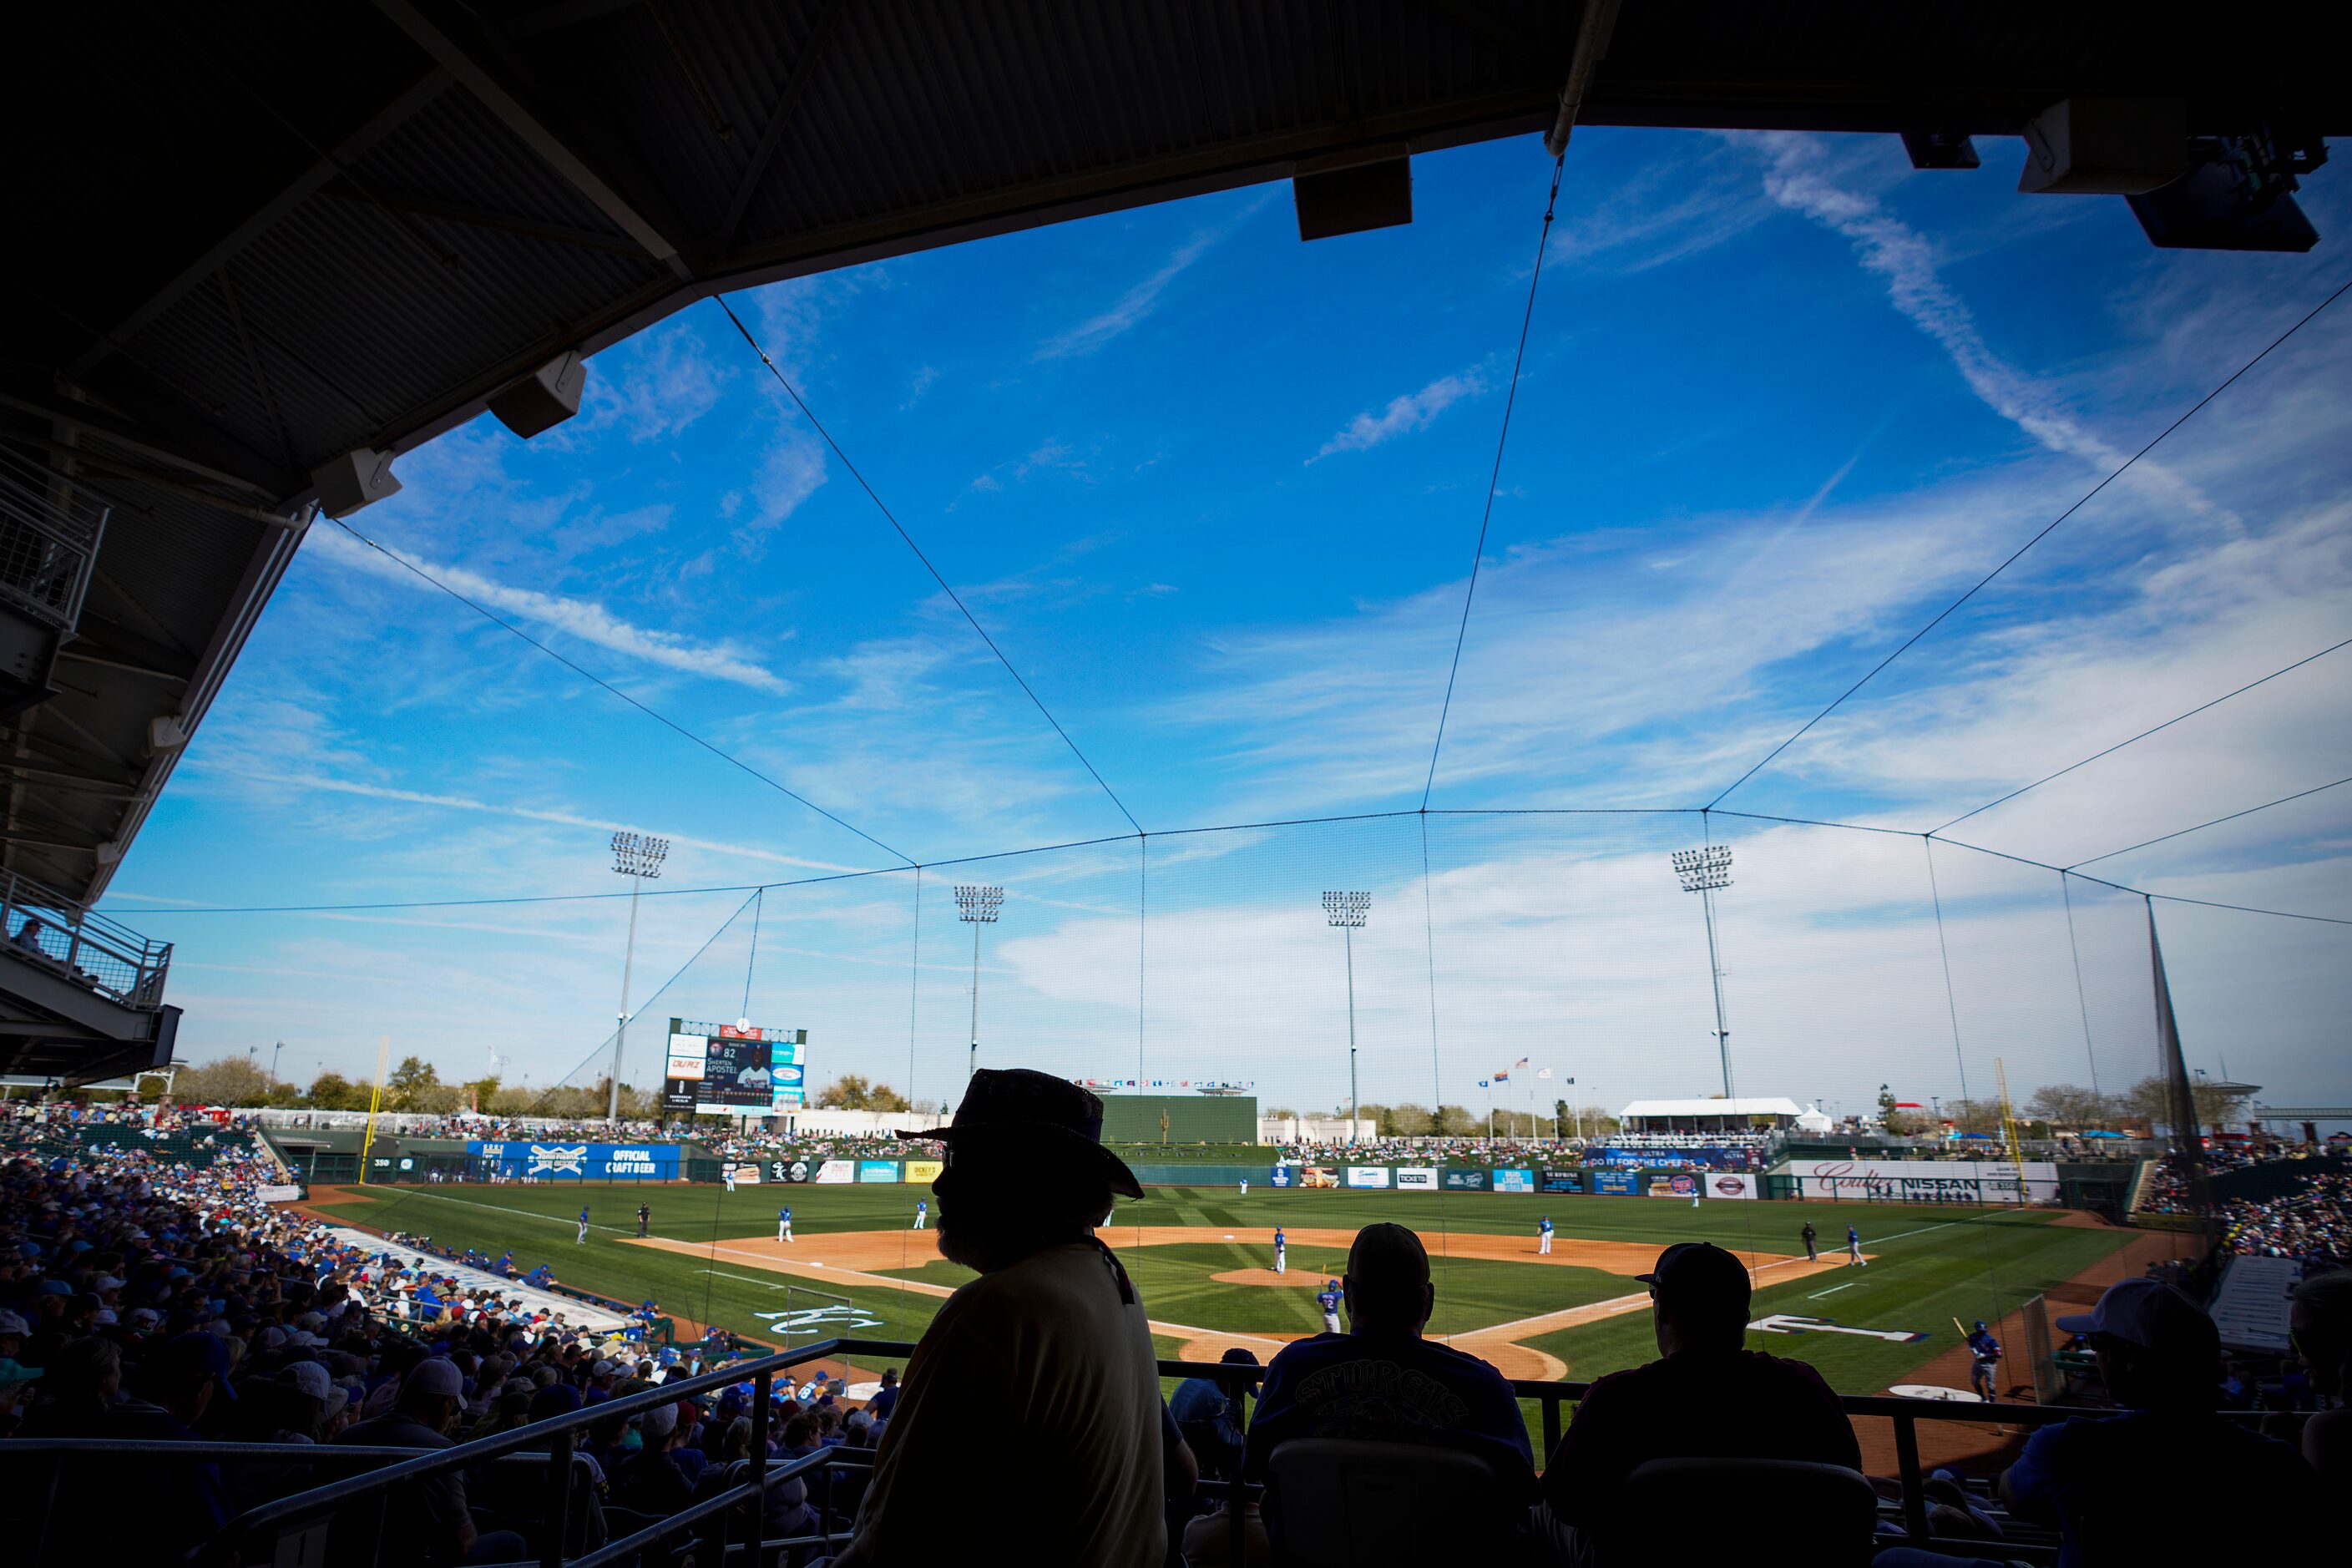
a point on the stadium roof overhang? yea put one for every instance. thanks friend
(263, 247)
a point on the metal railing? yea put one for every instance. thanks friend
(118, 1457)
(50, 527)
(552, 1442)
(43, 926)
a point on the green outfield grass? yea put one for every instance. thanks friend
(1929, 1265)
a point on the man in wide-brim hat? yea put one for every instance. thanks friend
(1036, 1381)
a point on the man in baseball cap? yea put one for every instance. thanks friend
(1042, 1364)
(1705, 1397)
(1350, 1385)
(2169, 1479)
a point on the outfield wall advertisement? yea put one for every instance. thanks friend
(1926, 1181)
(1368, 1175)
(578, 1161)
(1417, 1178)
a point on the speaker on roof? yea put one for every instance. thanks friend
(1352, 193)
(1941, 150)
(544, 399)
(2105, 146)
(361, 477)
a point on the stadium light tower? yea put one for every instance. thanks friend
(1704, 872)
(639, 858)
(1348, 911)
(979, 906)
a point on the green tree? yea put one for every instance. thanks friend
(1280, 1113)
(408, 1086)
(333, 1091)
(1404, 1119)
(2149, 1102)
(2063, 1105)
(481, 1092)
(226, 1080)
(884, 1097)
(850, 1091)
(1894, 1121)
(1974, 1116)
(1456, 1121)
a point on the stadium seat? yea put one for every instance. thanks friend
(1336, 1503)
(1759, 1513)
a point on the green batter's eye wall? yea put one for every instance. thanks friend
(1179, 1118)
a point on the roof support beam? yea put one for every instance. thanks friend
(771, 135)
(478, 217)
(393, 115)
(461, 47)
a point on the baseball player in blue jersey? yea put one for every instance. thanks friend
(922, 1212)
(584, 1227)
(1281, 1247)
(1984, 1361)
(1327, 1299)
(1543, 1237)
(1853, 1248)
(783, 1225)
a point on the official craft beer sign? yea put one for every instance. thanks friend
(1790, 1323)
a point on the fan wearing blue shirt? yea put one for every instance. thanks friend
(1382, 1382)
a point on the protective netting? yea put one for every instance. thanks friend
(1530, 972)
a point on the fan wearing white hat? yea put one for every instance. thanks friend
(2168, 1479)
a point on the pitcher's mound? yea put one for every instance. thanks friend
(1269, 1277)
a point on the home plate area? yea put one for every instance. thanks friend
(851, 1256)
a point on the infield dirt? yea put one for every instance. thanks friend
(853, 1256)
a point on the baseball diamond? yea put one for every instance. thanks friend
(1201, 1258)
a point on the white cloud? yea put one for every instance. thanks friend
(654, 388)
(583, 618)
(1406, 413)
(1130, 309)
(792, 470)
(302, 782)
(1798, 179)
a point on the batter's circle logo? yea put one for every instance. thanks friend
(1731, 1187)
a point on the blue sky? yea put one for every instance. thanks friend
(1214, 492)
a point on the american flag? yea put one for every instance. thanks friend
(1520, 1063)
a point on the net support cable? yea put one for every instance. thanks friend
(2047, 529)
(2082, 996)
(1704, 813)
(2143, 735)
(908, 540)
(2161, 838)
(606, 1042)
(589, 675)
(1494, 479)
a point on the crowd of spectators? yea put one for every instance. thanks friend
(760, 1146)
(2313, 1222)
(146, 1297)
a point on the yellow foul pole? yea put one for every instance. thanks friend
(375, 1100)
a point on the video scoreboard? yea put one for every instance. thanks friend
(734, 1069)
